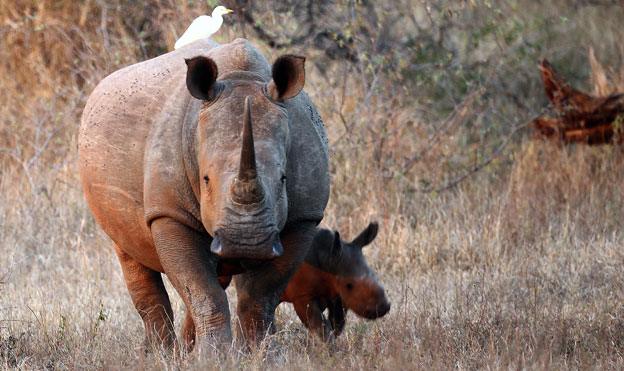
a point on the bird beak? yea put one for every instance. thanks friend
(228, 11)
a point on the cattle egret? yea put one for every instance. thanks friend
(203, 27)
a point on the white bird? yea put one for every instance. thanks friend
(203, 26)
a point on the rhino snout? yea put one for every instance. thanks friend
(257, 248)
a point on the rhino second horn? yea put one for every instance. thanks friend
(247, 188)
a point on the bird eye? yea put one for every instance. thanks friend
(206, 179)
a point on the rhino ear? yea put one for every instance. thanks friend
(201, 77)
(367, 236)
(288, 77)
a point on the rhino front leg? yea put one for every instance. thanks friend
(188, 332)
(188, 328)
(150, 299)
(183, 253)
(260, 288)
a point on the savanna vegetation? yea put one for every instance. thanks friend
(497, 250)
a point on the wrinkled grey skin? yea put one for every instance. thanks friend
(164, 173)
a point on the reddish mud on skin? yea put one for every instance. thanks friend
(201, 157)
(334, 276)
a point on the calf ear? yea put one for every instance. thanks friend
(201, 77)
(288, 77)
(367, 236)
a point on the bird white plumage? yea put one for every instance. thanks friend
(203, 26)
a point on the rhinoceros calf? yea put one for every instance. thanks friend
(334, 276)
(202, 157)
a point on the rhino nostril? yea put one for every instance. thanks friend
(278, 249)
(215, 246)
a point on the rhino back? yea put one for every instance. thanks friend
(131, 141)
(170, 168)
(137, 127)
(117, 120)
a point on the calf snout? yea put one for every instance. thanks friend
(368, 299)
(378, 310)
(383, 308)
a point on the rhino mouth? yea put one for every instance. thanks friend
(263, 248)
(377, 311)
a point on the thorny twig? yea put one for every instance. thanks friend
(455, 118)
(476, 168)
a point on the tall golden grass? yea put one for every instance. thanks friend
(517, 266)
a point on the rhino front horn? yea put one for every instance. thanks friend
(247, 188)
(247, 170)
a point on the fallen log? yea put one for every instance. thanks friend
(562, 96)
(579, 117)
(596, 135)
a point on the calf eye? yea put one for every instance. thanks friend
(349, 286)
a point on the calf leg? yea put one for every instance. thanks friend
(150, 299)
(311, 315)
(260, 288)
(336, 316)
(192, 269)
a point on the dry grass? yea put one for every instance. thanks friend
(517, 267)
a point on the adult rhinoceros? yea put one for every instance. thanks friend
(202, 158)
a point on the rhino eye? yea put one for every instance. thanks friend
(283, 178)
